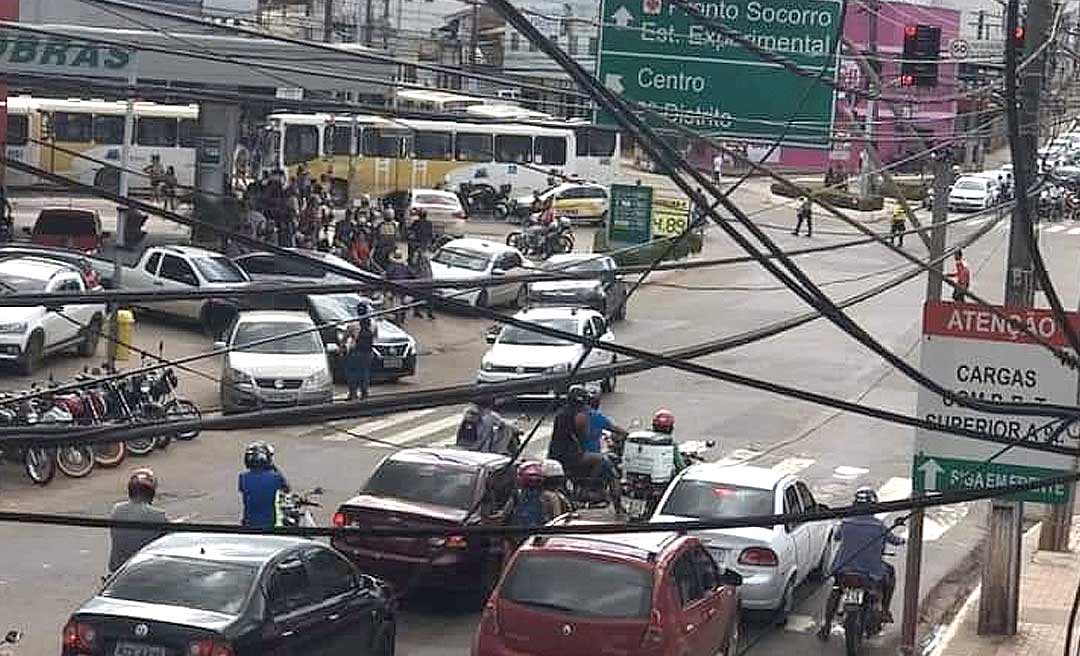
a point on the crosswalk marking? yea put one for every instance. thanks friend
(370, 427)
(1074, 231)
(894, 489)
(429, 428)
(846, 473)
(792, 465)
(1056, 228)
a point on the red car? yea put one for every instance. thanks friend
(641, 594)
(68, 228)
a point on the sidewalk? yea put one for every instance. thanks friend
(1048, 583)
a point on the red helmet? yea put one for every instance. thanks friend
(530, 474)
(663, 421)
(142, 483)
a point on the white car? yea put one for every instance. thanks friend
(443, 209)
(183, 268)
(28, 334)
(971, 193)
(466, 259)
(996, 180)
(577, 201)
(772, 561)
(293, 370)
(518, 353)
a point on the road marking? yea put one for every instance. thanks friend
(423, 430)
(937, 521)
(1074, 231)
(790, 466)
(371, 427)
(894, 489)
(799, 623)
(737, 457)
(846, 473)
(1056, 228)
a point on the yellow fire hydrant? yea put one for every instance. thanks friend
(125, 329)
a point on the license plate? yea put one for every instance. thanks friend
(393, 363)
(136, 649)
(853, 596)
(635, 507)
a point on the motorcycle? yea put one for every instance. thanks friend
(649, 465)
(74, 460)
(38, 462)
(293, 507)
(600, 492)
(860, 610)
(537, 240)
(483, 198)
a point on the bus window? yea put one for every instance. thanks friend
(433, 145)
(338, 140)
(109, 130)
(473, 147)
(188, 129)
(595, 142)
(156, 131)
(18, 130)
(550, 151)
(73, 128)
(301, 143)
(382, 143)
(515, 149)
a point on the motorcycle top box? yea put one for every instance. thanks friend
(650, 454)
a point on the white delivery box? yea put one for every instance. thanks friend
(650, 454)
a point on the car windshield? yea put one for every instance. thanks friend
(976, 185)
(579, 585)
(204, 585)
(438, 484)
(583, 264)
(218, 269)
(705, 500)
(523, 337)
(65, 223)
(295, 344)
(461, 258)
(337, 307)
(435, 199)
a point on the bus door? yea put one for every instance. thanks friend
(22, 130)
(384, 146)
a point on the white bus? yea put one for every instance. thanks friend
(95, 129)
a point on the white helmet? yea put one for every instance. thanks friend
(552, 469)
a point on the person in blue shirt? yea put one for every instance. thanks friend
(862, 545)
(598, 423)
(260, 485)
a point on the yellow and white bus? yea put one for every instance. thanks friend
(95, 128)
(379, 156)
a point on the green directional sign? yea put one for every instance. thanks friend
(630, 214)
(654, 53)
(934, 474)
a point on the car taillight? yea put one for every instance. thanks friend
(340, 520)
(450, 542)
(209, 647)
(489, 620)
(80, 636)
(654, 633)
(760, 556)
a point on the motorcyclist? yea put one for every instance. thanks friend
(125, 542)
(598, 423)
(569, 434)
(862, 545)
(483, 429)
(555, 501)
(260, 486)
(663, 422)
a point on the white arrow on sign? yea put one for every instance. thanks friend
(613, 82)
(930, 470)
(622, 16)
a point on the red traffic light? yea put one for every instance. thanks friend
(910, 31)
(1018, 35)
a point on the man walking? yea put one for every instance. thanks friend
(804, 214)
(963, 277)
(898, 225)
(141, 488)
(359, 352)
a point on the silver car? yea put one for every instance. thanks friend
(292, 370)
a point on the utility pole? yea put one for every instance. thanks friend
(942, 164)
(866, 185)
(328, 21)
(999, 602)
(121, 212)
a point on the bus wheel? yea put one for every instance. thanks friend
(108, 179)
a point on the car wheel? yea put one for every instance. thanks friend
(482, 299)
(89, 345)
(522, 300)
(108, 179)
(787, 603)
(34, 355)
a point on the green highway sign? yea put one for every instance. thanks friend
(934, 474)
(630, 214)
(654, 53)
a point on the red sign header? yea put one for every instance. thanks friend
(970, 321)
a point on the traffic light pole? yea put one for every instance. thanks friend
(866, 180)
(999, 602)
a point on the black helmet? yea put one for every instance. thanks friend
(577, 394)
(865, 495)
(259, 455)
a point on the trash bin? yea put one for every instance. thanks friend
(125, 330)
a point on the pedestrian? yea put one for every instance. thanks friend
(420, 269)
(963, 277)
(717, 166)
(125, 542)
(898, 226)
(169, 189)
(359, 351)
(830, 177)
(397, 271)
(420, 234)
(804, 214)
(156, 173)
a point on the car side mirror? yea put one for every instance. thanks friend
(730, 577)
(332, 349)
(220, 346)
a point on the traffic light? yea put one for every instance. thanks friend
(1018, 37)
(922, 48)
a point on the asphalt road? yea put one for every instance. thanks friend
(46, 572)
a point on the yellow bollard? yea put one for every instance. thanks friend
(125, 330)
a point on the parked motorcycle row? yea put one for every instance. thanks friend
(133, 400)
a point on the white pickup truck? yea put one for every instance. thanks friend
(182, 268)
